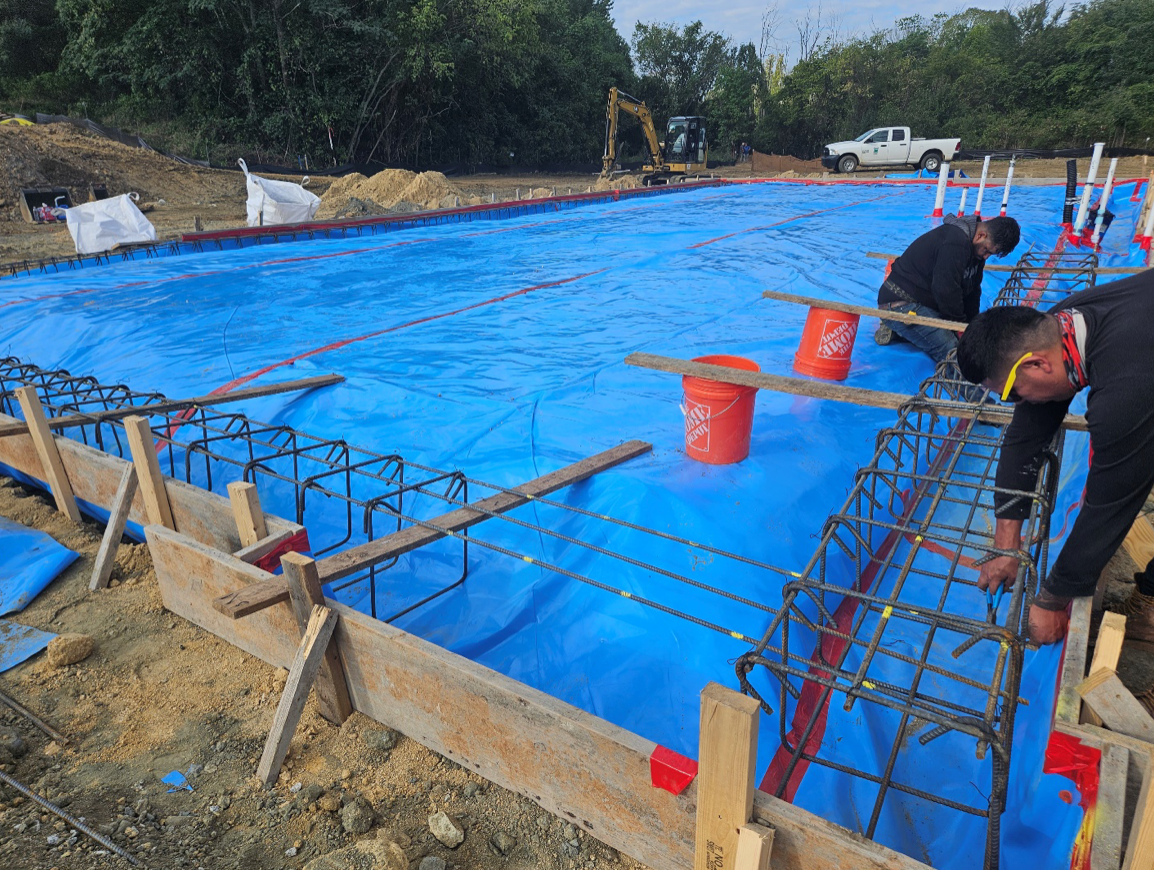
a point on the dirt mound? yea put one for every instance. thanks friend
(621, 182)
(778, 165)
(428, 189)
(389, 189)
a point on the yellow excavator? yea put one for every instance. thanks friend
(685, 150)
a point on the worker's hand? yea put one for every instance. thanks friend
(1047, 626)
(999, 570)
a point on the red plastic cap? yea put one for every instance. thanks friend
(671, 770)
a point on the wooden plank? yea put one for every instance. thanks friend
(212, 399)
(114, 531)
(574, 765)
(249, 516)
(996, 267)
(275, 590)
(1074, 657)
(754, 847)
(1118, 709)
(305, 592)
(149, 478)
(1106, 848)
(53, 468)
(95, 477)
(864, 311)
(308, 659)
(823, 389)
(263, 547)
(1107, 649)
(1140, 848)
(1139, 542)
(726, 777)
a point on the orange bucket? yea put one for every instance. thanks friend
(826, 344)
(719, 416)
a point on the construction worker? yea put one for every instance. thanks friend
(1098, 338)
(940, 275)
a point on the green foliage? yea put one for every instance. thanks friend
(433, 81)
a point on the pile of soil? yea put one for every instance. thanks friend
(160, 694)
(391, 190)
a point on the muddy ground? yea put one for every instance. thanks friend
(160, 694)
(178, 198)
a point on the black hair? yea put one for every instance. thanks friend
(997, 337)
(1004, 233)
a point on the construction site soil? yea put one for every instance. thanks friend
(179, 198)
(160, 694)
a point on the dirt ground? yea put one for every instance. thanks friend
(160, 694)
(178, 197)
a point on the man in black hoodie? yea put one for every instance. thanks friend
(940, 275)
(1100, 339)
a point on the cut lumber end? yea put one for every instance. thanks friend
(252, 598)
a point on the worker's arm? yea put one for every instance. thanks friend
(949, 271)
(1119, 481)
(1029, 433)
(973, 298)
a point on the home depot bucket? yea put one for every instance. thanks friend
(719, 416)
(826, 344)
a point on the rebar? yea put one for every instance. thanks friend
(68, 818)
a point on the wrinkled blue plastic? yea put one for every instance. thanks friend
(508, 387)
(19, 643)
(29, 561)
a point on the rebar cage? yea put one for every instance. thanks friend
(887, 612)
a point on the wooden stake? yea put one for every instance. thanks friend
(148, 474)
(1139, 542)
(1106, 849)
(823, 389)
(1140, 850)
(308, 659)
(180, 404)
(848, 308)
(754, 846)
(249, 516)
(114, 531)
(1119, 710)
(305, 592)
(54, 474)
(725, 781)
(1107, 649)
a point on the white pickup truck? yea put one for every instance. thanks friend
(889, 146)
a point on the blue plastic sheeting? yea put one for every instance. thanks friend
(19, 643)
(498, 348)
(29, 561)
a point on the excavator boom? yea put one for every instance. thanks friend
(619, 102)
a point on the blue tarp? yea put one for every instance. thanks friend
(497, 348)
(29, 561)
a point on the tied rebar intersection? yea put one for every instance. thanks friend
(883, 616)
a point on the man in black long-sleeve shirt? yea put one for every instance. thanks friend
(1101, 339)
(940, 275)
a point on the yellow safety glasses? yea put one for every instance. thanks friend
(1013, 376)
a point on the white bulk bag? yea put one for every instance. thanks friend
(278, 202)
(97, 226)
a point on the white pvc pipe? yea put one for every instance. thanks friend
(1088, 190)
(982, 186)
(1107, 189)
(1009, 181)
(940, 199)
(1148, 229)
(962, 204)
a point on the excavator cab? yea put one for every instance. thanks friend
(685, 142)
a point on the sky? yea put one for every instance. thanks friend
(741, 19)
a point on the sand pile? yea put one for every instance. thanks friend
(620, 182)
(392, 190)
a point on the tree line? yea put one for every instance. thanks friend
(428, 82)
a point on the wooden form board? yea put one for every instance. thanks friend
(275, 590)
(816, 389)
(45, 444)
(575, 765)
(863, 311)
(114, 531)
(95, 477)
(726, 780)
(211, 400)
(1114, 704)
(249, 516)
(1139, 542)
(998, 267)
